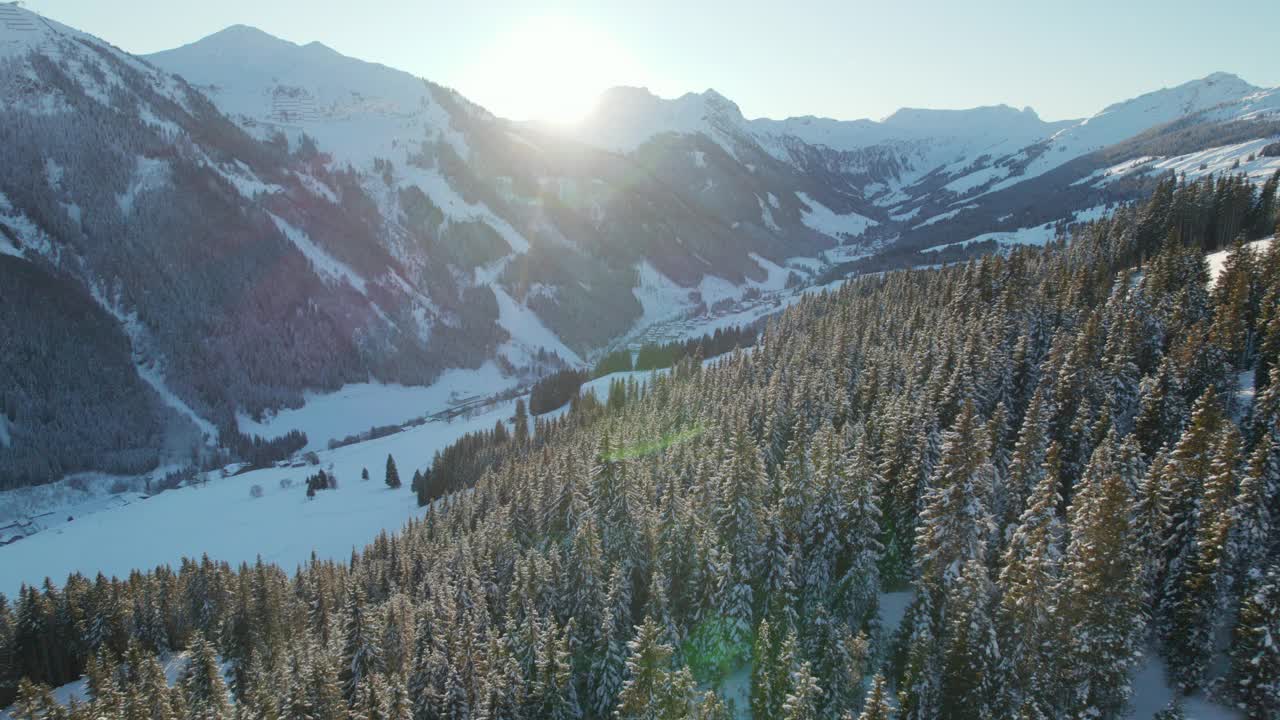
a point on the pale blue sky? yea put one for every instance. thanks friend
(837, 58)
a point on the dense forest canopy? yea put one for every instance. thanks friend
(1068, 455)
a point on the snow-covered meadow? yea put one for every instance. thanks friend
(221, 519)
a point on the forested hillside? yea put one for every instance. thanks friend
(235, 273)
(1070, 455)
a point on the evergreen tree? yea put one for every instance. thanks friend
(1255, 650)
(361, 655)
(393, 475)
(877, 705)
(652, 690)
(1102, 598)
(766, 696)
(802, 702)
(1199, 587)
(203, 688)
(972, 654)
(1028, 625)
(954, 523)
(521, 422)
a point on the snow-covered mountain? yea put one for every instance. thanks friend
(244, 220)
(552, 224)
(919, 170)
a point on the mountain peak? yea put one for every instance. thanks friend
(241, 36)
(721, 105)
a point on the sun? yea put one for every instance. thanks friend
(553, 69)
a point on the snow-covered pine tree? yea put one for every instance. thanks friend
(361, 654)
(801, 702)
(1255, 647)
(609, 665)
(920, 691)
(1197, 591)
(877, 705)
(1182, 476)
(954, 523)
(1253, 523)
(652, 691)
(1026, 465)
(202, 684)
(1027, 618)
(766, 698)
(858, 587)
(972, 655)
(741, 482)
(1102, 597)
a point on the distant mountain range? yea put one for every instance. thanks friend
(210, 232)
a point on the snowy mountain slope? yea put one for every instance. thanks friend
(227, 273)
(1226, 94)
(627, 117)
(448, 176)
(943, 173)
(917, 141)
(1244, 158)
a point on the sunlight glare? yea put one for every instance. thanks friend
(553, 69)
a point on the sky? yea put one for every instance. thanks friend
(844, 59)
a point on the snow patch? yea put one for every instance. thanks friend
(1217, 261)
(358, 407)
(150, 173)
(1151, 694)
(823, 219)
(324, 263)
(660, 297)
(776, 278)
(1038, 235)
(151, 369)
(943, 216)
(1224, 159)
(528, 333)
(767, 215)
(893, 608)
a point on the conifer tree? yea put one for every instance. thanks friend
(920, 691)
(202, 684)
(1028, 612)
(839, 662)
(802, 702)
(954, 523)
(393, 475)
(1253, 522)
(35, 702)
(1102, 598)
(1026, 465)
(1181, 478)
(766, 698)
(972, 654)
(1255, 649)
(1197, 590)
(652, 690)
(361, 655)
(877, 705)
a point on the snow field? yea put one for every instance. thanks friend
(220, 518)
